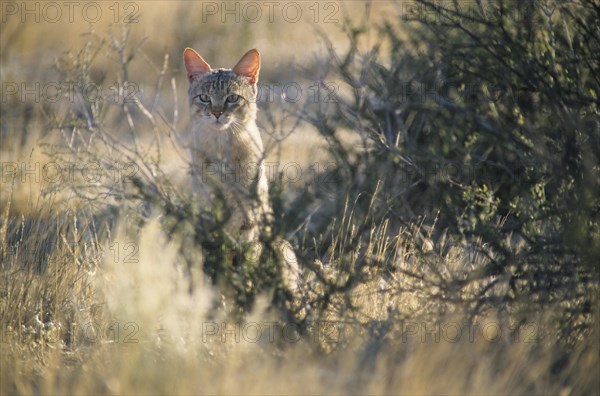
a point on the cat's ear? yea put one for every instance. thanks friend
(194, 64)
(249, 66)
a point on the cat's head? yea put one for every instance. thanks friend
(222, 98)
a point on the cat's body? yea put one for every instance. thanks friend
(227, 146)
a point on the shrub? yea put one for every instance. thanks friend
(482, 117)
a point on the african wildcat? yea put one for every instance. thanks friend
(227, 145)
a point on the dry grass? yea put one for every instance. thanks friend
(94, 301)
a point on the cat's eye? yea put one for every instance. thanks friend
(204, 98)
(232, 98)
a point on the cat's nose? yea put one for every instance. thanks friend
(217, 114)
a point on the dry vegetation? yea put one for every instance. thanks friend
(112, 280)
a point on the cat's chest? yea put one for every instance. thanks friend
(215, 148)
